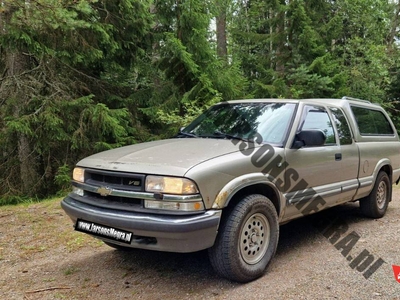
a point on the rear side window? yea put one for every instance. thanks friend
(371, 122)
(342, 126)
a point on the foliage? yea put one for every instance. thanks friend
(67, 67)
(82, 76)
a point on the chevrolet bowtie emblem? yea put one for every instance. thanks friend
(104, 191)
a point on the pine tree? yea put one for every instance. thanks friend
(67, 66)
(188, 76)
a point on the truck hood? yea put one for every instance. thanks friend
(164, 157)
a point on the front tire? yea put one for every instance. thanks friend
(376, 203)
(247, 240)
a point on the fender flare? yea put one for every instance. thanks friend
(235, 185)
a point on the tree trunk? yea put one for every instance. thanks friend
(280, 47)
(181, 68)
(222, 49)
(16, 63)
(395, 23)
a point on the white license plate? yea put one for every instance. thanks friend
(104, 231)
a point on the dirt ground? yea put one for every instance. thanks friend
(42, 257)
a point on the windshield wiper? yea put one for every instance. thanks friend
(218, 133)
(188, 134)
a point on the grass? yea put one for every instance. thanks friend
(33, 248)
(16, 200)
(71, 270)
(41, 227)
(60, 296)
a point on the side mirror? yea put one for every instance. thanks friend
(309, 138)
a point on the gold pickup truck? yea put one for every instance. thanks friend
(229, 179)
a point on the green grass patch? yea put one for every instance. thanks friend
(71, 270)
(17, 200)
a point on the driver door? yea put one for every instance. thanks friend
(313, 171)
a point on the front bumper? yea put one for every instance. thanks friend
(167, 232)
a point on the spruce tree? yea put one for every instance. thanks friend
(66, 67)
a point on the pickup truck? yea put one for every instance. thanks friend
(229, 179)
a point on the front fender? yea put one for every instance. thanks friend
(238, 183)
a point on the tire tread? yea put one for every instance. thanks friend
(368, 204)
(222, 257)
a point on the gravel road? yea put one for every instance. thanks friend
(42, 257)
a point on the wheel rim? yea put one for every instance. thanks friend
(254, 238)
(381, 195)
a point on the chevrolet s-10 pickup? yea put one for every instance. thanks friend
(229, 179)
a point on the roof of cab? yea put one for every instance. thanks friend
(338, 102)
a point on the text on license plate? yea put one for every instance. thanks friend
(103, 231)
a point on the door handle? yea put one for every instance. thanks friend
(338, 156)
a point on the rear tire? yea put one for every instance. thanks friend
(376, 203)
(247, 240)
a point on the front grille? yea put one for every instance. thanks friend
(113, 202)
(114, 180)
(115, 199)
(117, 180)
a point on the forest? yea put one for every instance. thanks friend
(82, 76)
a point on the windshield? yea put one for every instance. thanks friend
(243, 121)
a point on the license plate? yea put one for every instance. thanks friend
(104, 231)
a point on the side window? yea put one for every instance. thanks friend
(371, 122)
(317, 118)
(342, 126)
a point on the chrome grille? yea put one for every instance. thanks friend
(117, 180)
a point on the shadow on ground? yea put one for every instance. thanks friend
(192, 274)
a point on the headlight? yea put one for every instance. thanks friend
(170, 185)
(79, 174)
